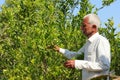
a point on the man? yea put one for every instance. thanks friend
(96, 51)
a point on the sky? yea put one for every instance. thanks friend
(105, 13)
(1, 2)
(109, 12)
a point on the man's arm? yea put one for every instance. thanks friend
(67, 53)
(102, 58)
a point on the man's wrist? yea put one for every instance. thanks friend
(62, 50)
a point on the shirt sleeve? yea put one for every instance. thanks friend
(90, 66)
(102, 59)
(70, 54)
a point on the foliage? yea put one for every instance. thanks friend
(107, 2)
(28, 27)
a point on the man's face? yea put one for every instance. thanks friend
(87, 28)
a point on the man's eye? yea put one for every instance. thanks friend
(83, 25)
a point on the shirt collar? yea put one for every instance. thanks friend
(93, 37)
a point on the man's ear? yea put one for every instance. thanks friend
(94, 26)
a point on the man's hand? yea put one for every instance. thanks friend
(70, 64)
(56, 48)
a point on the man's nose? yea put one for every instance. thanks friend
(81, 28)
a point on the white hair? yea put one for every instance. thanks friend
(93, 19)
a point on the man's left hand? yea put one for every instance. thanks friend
(70, 64)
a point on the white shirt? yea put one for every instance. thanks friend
(96, 57)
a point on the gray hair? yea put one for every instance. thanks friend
(93, 19)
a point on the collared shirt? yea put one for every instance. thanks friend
(96, 57)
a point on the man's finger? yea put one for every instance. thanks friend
(69, 64)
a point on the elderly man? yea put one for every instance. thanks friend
(96, 51)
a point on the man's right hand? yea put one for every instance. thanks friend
(56, 48)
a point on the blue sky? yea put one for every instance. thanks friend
(109, 12)
(105, 13)
(1, 2)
